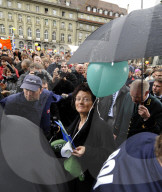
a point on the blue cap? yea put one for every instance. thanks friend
(32, 83)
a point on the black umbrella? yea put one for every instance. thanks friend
(136, 35)
(27, 161)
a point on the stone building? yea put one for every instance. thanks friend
(53, 24)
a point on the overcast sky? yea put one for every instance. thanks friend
(134, 4)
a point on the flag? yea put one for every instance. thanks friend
(65, 135)
(7, 43)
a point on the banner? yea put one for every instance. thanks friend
(6, 42)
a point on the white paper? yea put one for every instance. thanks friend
(66, 150)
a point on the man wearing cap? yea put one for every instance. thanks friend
(33, 103)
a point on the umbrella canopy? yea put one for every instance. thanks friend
(136, 35)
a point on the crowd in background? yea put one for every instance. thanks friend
(70, 82)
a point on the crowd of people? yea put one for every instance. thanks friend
(43, 88)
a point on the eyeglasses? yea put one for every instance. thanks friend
(63, 66)
(84, 99)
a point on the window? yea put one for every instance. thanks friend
(82, 16)
(121, 15)
(88, 17)
(10, 29)
(21, 44)
(10, 16)
(87, 27)
(93, 28)
(2, 28)
(100, 11)
(105, 20)
(28, 7)
(0, 2)
(62, 25)
(63, 14)
(45, 46)
(99, 19)
(69, 38)
(37, 33)
(30, 45)
(20, 31)
(116, 14)
(46, 22)
(62, 36)
(54, 12)
(81, 25)
(54, 35)
(94, 10)
(80, 35)
(9, 3)
(70, 26)
(29, 32)
(19, 5)
(54, 23)
(88, 8)
(46, 10)
(106, 12)
(70, 15)
(37, 20)
(67, 3)
(110, 13)
(45, 34)
(37, 9)
(93, 18)
(86, 35)
(28, 19)
(19, 17)
(1, 14)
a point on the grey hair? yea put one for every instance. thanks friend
(136, 85)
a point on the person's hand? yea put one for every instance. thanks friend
(79, 151)
(114, 136)
(55, 73)
(5, 92)
(3, 86)
(143, 112)
(64, 96)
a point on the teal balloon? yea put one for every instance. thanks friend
(106, 78)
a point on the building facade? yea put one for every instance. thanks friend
(53, 24)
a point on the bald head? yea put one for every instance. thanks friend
(79, 68)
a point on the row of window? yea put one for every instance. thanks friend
(46, 21)
(101, 11)
(29, 33)
(37, 8)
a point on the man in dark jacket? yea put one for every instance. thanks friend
(33, 103)
(54, 65)
(147, 114)
(116, 111)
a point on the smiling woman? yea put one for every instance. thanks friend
(92, 138)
